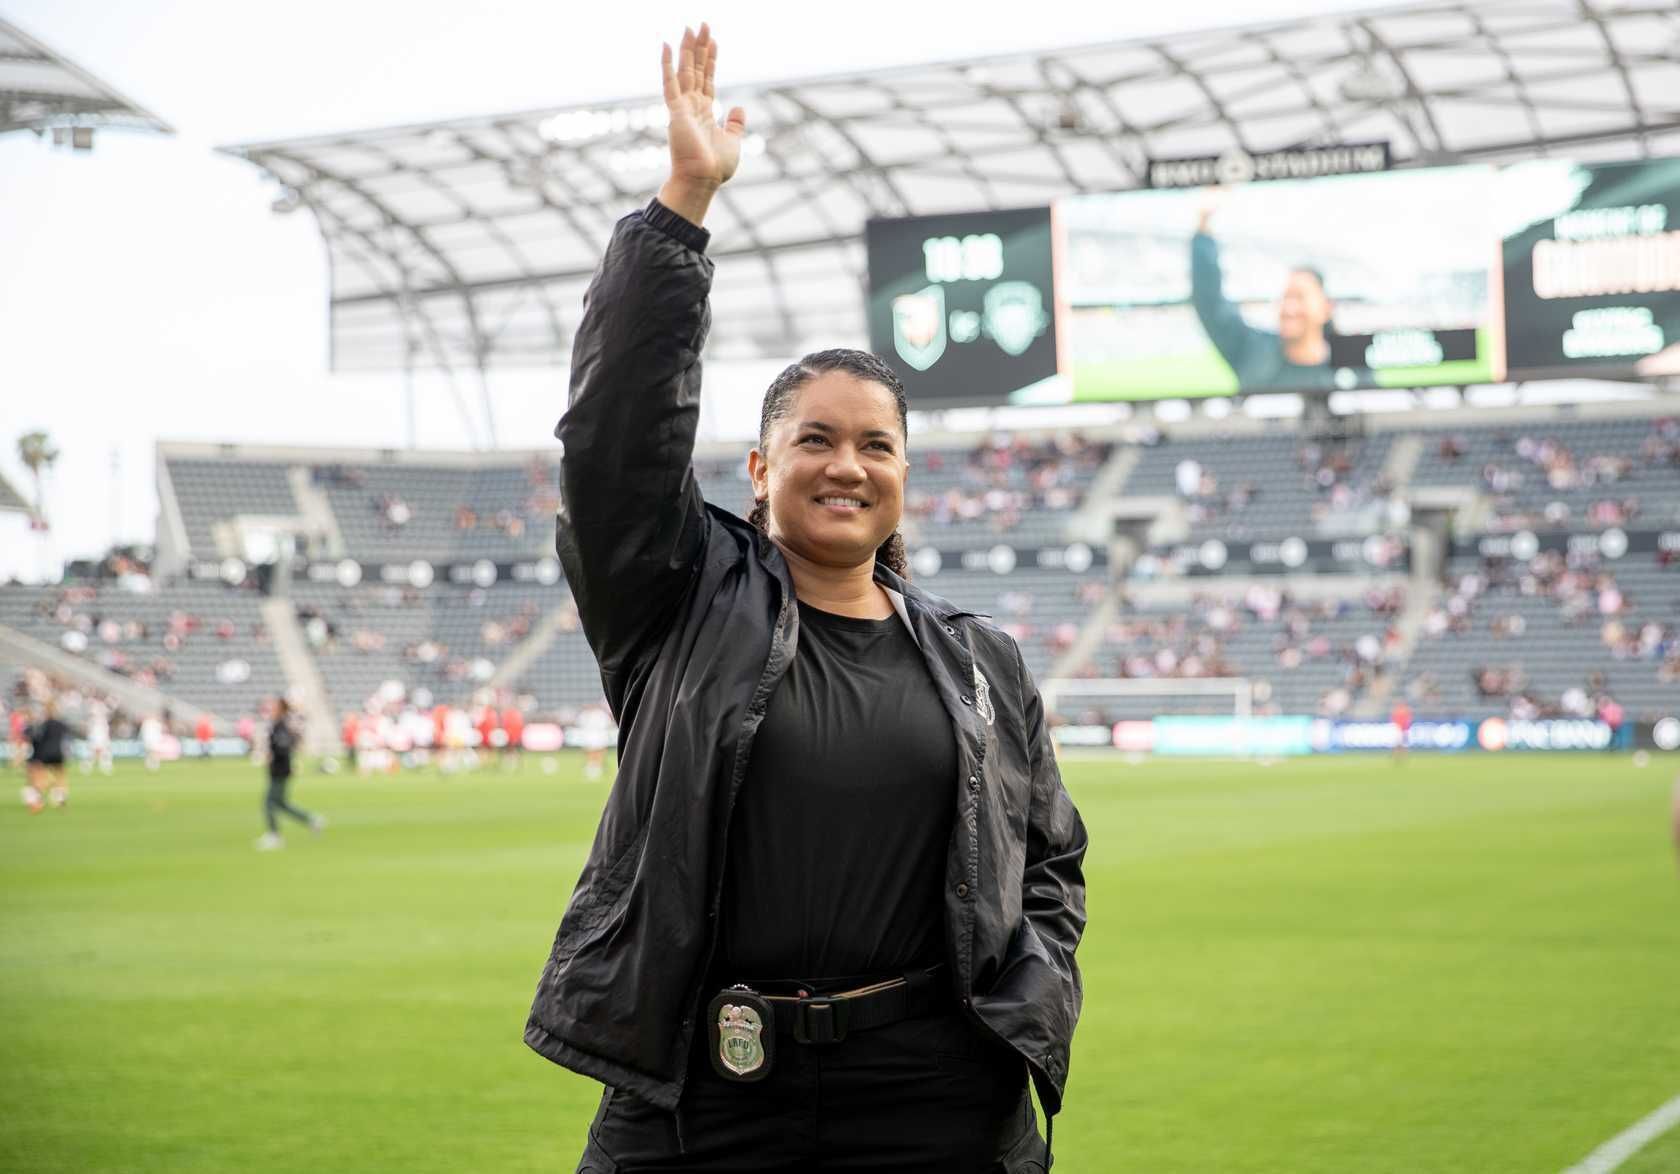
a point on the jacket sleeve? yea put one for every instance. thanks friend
(1220, 318)
(631, 522)
(1052, 886)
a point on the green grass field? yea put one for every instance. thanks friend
(1466, 964)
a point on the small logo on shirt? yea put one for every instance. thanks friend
(983, 696)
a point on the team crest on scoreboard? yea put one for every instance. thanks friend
(919, 327)
(1014, 316)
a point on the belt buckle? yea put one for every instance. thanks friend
(820, 1019)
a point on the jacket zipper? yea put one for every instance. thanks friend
(774, 667)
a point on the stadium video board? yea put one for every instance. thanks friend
(1592, 268)
(1383, 280)
(1412, 278)
(963, 306)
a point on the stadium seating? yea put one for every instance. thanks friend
(1579, 475)
(1544, 472)
(405, 511)
(1305, 656)
(210, 490)
(1534, 649)
(1258, 486)
(202, 641)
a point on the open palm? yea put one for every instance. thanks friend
(702, 152)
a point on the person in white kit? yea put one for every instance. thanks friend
(99, 739)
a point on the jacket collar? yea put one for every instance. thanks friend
(915, 597)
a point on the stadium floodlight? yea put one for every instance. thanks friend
(1369, 84)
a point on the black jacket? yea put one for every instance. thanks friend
(691, 613)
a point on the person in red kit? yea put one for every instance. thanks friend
(1401, 716)
(347, 734)
(489, 733)
(203, 731)
(513, 725)
(18, 731)
(440, 734)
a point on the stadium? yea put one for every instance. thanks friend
(1302, 397)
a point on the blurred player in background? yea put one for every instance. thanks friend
(1677, 818)
(48, 738)
(490, 736)
(457, 740)
(282, 742)
(152, 729)
(594, 728)
(98, 738)
(17, 732)
(1401, 716)
(347, 732)
(513, 727)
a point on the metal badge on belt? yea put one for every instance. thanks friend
(742, 1025)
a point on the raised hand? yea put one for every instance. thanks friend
(703, 154)
(1213, 198)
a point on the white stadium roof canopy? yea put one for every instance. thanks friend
(41, 90)
(467, 244)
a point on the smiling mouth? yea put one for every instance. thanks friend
(840, 501)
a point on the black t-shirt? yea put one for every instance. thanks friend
(46, 741)
(282, 739)
(838, 840)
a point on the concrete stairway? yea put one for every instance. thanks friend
(137, 699)
(304, 684)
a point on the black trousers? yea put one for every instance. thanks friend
(275, 800)
(928, 1095)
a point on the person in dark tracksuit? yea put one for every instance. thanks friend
(829, 918)
(282, 742)
(47, 742)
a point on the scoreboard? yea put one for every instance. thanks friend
(1417, 277)
(963, 306)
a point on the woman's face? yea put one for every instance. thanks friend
(1304, 310)
(834, 470)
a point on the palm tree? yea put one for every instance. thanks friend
(36, 451)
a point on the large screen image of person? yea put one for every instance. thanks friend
(1592, 268)
(1385, 280)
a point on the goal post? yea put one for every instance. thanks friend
(1143, 698)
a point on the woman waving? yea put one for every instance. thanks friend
(829, 917)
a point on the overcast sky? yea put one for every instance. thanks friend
(148, 292)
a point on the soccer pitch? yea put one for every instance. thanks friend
(1455, 964)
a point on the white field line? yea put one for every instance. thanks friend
(1629, 1141)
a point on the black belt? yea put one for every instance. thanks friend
(744, 1020)
(829, 1018)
